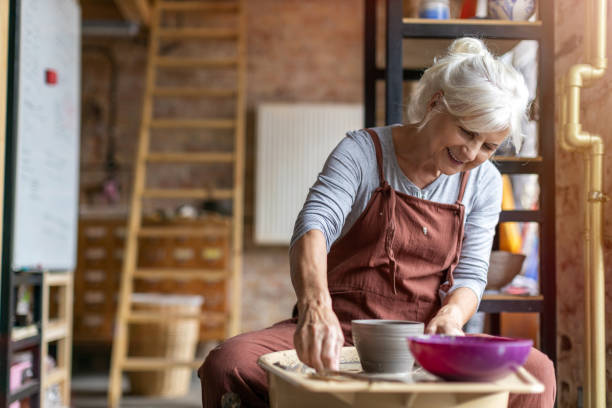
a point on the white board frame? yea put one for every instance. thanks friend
(45, 222)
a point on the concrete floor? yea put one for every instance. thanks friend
(90, 391)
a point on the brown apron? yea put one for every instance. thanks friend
(396, 256)
(389, 265)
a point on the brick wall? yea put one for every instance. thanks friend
(297, 51)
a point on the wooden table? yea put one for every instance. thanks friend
(295, 385)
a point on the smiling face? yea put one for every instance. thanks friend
(456, 149)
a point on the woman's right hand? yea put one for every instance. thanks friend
(318, 338)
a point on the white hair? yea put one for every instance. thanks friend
(483, 93)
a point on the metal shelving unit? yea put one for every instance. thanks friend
(394, 74)
(27, 340)
(11, 279)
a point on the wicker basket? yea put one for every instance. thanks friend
(172, 339)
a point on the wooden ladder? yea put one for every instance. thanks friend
(125, 314)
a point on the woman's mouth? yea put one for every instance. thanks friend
(452, 157)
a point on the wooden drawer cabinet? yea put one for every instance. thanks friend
(99, 265)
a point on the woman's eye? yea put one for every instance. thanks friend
(488, 147)
(467, 132)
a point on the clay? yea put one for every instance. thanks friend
(382, 345)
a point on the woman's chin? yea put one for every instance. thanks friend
(449, 171)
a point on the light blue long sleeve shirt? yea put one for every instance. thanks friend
(350, 176)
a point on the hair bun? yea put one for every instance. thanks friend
(468, 45)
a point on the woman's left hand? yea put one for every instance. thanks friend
(446, 321)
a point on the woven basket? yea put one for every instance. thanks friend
(172, 339)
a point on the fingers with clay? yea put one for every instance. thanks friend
(318, 338)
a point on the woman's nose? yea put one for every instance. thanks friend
(471, 150)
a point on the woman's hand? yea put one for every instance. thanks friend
(459, 306)
(448, 320)
(318, 338)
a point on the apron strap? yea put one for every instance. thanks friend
(464, 178)
(379, 156)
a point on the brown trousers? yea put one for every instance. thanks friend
(232, 368)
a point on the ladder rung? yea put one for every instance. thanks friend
(211, 33)
(198, 6)
(194, 92)
(55, 330)
(213, 275)
(190, 157)
(55, 376)
(188, 193)
(57, 278)
(176, 62)
(160, 316)
(152, 363)
(213, 334)
(154, 232)
(193, 123)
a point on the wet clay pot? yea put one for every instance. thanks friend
(382, 345)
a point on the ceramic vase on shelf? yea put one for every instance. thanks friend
(434, 9)
(517, 10)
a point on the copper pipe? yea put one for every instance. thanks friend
(562, 113)
(599, 48)
(598, 335)
(573, 138)
(588, 301)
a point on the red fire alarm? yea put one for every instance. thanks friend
(51, 77)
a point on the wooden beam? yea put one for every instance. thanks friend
(143, 7)
(135, 10)
(127, 10)
(99, 10)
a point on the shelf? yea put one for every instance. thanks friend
(511, 303)
(20, 333)
(414, 42)
(27, 278)
(55, 376)
(520, 166)
(29, 389)
(210, 275)
(25, 337)
(408, 74)
(27, 343)
(58, 278)
(55, 330)
(502, 29)
(520, 159)
(155, 363)
(520, 216)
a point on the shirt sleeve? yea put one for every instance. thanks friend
(471, 271)
(331, 198)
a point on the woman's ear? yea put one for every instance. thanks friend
(434, 101)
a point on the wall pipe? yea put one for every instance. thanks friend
(572, 138)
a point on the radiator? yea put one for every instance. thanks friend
(293, 142)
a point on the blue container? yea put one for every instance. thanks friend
(437, 10)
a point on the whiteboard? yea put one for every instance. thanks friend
(47, 135)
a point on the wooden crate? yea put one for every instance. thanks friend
(98, 273)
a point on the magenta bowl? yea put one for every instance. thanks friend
(469, 358)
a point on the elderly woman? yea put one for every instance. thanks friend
(399, 225)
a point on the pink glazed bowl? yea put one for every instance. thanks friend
(469, 358)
